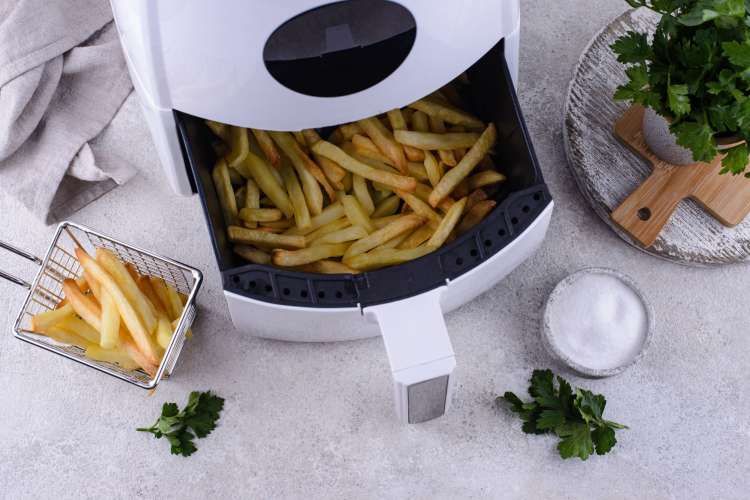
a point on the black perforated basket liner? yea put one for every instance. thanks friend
(521, 199)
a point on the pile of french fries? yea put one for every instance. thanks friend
(380, 191)
(114, 314)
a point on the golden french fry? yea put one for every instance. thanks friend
(447, 224)
(329, 214)
(261, 214)
(420, 207)
(117, 270)
(301, 211)
(161, 290)
(381, 222)
(131, 348)
(225, 192)
(252, 254)
(240, 195)
(484, 178)
(401, 225)
(335, 154)
(446, 155)
(398, 122)
(334, 172)
(388, 206)
(175, 301)
(417, 237)
(418, 171)
(396, 242)
(420, 122)
(475, 197)
(287, 258)
(127, 312)
(239, 145)
(76, 325)
(350, 233)
(114, 356)
(446, 113)
(254, 236)
(478, 212)
(110, 323)
(383, 139)
(82, 284)
(83, 305)
(382, 257)
(451, 179)
(279, 224)
(331, 227)
(356, 214)
(164, 332)
(328, 267)
(235, 177)
(423, 193)
(431, 141)
(299, 137)
(46, 319)
(309, 172)
(257, 169)
(251, 199)
(364, 146)
(267, 146)
(359, 185)
(65, 336)
(433, 168)
(349, 130)
(219, 129)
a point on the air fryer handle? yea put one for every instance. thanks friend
(420, 354)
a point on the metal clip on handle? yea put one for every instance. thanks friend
(21, 253)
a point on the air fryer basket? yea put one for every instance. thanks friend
(521, 199)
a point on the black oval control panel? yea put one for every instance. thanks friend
(340, 48)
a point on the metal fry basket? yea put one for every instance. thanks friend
(45, 292)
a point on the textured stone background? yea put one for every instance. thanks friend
(315, 421)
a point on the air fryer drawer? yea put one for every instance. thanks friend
(521, 199)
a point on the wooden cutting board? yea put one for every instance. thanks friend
(644, 212)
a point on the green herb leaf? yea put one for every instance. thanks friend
(199, 415)
(633, 47)
(735, 160)
(697, 137)
(575, 416)
(679, 102)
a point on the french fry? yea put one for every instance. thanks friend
(240, 195)
(278, 224)
(235, 177)
(65, 337)
(350, 233)
(219, 129)
(359, 185)
(301, 211)
(83, 305)
(252, 254)
(334, 172)
(110, 323)
(431, 141)
(383, 139)
(475, 215)
(114, 356)
(420, 122)
(446, 155)
(76, 325)
(416, 238)
(46, 319)
(331, 227)
(161, 290)
(329, 214)
(239, 145)
(446, 113)
(261, 214)
(419, 207)
(484, 178)
(164, 332)
(381, 222)
(387, 206)
(117, 270)
(418, 171)
(382, 257)
(287, 258)
(175, 302)
(401, 225)
(335, 154)
(356, 214)
(365, 147)
(82, 284)
(258, 170)
(328, 267)
(447, 224)
(299, 137)
(225, 192)
(267, 146)
(254, 237)
(309, 172)
(398, 122)
(423, 192)
(127, 312)
(251, 200)
(135, 353)
(349, 130)
(475, 197)
(144, 284)
(395, 242)
(433, 168)
(451, 179)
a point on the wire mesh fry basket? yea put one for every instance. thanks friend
(59, 263)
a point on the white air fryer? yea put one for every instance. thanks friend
(295, 64)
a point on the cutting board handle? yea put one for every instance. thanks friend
(644, 213)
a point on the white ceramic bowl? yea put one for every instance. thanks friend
(551, 338)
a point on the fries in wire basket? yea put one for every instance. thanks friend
(380, 191)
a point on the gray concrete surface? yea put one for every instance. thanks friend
(315, 421)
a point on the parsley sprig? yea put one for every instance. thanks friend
(574, 416)
(695, 70)
(199, 416)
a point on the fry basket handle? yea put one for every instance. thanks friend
(21, 253)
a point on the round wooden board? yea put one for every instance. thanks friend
(607, 172)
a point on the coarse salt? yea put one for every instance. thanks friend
(598, 322)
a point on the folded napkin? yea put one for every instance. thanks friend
(62, 79)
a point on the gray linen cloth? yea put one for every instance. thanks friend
(62, 79)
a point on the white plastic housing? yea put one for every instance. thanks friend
(206, 60)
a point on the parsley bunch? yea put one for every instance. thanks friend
(695, 72)
(575, 417)
(200, 415)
